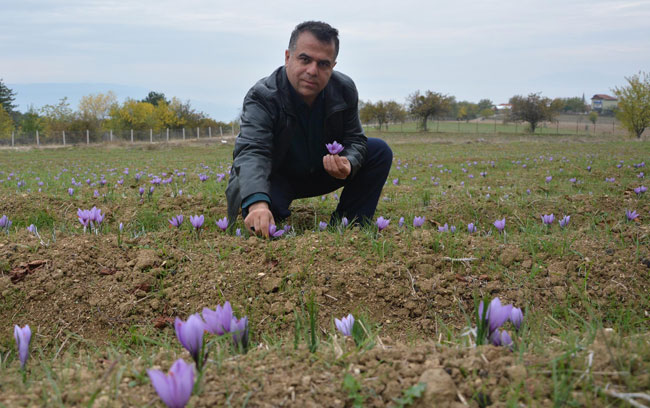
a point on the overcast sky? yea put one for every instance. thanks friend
(212, 52)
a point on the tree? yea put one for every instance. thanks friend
(428, 105)
(396, 112)
(593, 117)
(484, 104)
(366, 112)
(58, 117)
(7, 96)
(94, 109)
(532, 109)
(574, 104)
(634, 103)
(31, 121)
(6, 124)
(155, 98)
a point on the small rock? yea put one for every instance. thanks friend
(516, 373)
(441, 390)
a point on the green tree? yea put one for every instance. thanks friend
(32, 121)
(6, 124)
(593, 117)
(7, 96)
(396, 112)
(532, 109)
(634, 103)
(58, 117)
(155, 98)
(428, 105)
(94, 109)
(484, 104)
(366, 112)
(575, 104)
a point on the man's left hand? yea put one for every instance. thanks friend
(337, 166)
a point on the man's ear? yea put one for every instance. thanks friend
(286, 57)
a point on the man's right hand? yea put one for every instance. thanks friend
(259, 218)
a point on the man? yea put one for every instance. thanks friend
(287, 119)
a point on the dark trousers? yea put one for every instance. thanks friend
(360, 194)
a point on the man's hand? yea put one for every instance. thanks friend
(259, 218)
(337, 166)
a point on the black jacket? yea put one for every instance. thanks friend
(269, 121)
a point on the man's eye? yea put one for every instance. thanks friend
(324, 64)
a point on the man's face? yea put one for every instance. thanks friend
(309, 66)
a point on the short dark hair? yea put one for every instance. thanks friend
(324, 32)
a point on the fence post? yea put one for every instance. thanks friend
(168, 134)
(150, 135)
(12, 138)
(38, 141)
(131, 135)
(111, 135)
(210, 132)
(64, 138)
(87, 136)
(183, 133)
(221, 131)
(197, 133)
(233, 128)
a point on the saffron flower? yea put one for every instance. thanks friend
(640, 190)
(322, 225)
(496, 314)
(190, 334)
(516, 317)
(175, 388)
(5, 223)
(444, 228)
(274, 231)
(382, 223)
(501, 338)
(334, 147)
(500, 224)
(70, 191)
(548, 219)
(141, 191)
(238, 232)
(197, 221)
(345, 325)
(418, 221)
(631, 215)
(395, 182)
(471, 228)
(32, 228)
(23, 337)
(218, 321)
(121, 227)
(344, 222)
(222, 223)
(400, 223)
(565, 221)
(549, 178)
(177, 220)
(452, 229)
(239, 330)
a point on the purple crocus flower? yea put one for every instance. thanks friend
(516, 317)
(5, 223)
(345, 325)
(23, 337)
(197, 221)
(121, 227)
(452, 229)
(400, 223)
(322, 225)
(218, 321)
(239, 330)
(286, 228)
(418, 221)
(344, 222)
(96, 215)
(565, 221)
(70, 191)
(222, 223)
(444, 228)
(549, 178)
(190, 334)
(640, 190)
(141, 191)
(471, 228)
(220, 176)
(177, 220)
(238, 232)
(631, 215)
(83, 216)
(501, 338)
(382, 223)
(334, 147)
(496, 314)
(32, 228)
(548, 219)
(500, 224)
(175, 388)
(395, 182)
(274, 231)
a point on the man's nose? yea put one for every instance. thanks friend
(312, 69)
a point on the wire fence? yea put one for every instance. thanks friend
(72, 138)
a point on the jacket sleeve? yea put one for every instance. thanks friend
(254, 146)
(354, 140)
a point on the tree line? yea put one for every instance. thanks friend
(102, 112)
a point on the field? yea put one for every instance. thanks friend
(101, 304)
